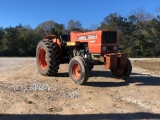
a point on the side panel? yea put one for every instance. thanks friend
(92, 38)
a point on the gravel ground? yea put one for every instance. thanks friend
(25, 94)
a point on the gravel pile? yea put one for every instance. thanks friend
(37, 86)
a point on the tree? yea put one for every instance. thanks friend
(45, 27)
(113, 21)
(10, 41)
(50, 27)
(152, 33)
(1, 36)
(74, 25)
(58, 30)
(94, 27)
(28, 40)
(142, 15)
(1, 33)
(19, 41)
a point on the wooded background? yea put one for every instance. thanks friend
(138, 34)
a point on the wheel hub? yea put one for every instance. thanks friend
(76, 71)
(42, 59)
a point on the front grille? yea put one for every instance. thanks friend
(109, 37)
(110, 48)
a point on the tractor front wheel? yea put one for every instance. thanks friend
(78, 70)
(123, 73)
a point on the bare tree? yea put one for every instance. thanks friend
(94, 27)
(74, 24)
(158, 9)
(47, 26)
(142, 15)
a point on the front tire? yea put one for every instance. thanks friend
(78, 70)
(123, 73)
(47, 57)
(91, 66)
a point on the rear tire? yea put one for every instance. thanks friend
(48, 57)
(78, 70)
(123, 73)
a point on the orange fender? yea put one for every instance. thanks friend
(54, 39)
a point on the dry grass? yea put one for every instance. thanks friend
(152, 65)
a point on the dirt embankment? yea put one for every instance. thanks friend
(25, 94)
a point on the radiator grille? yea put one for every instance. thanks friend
(109, 37)
(110, 48)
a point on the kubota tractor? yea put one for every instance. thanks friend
(82, 50)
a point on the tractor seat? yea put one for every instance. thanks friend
(64, 38)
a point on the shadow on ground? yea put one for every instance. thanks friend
(140, 115)
(144, 79)
(139, 79)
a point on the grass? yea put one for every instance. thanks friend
(152, 65)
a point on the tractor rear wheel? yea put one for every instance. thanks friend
(123, 73)
(48, 57)
(78, 70)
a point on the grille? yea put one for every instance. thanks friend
(110, 48)
(109, 37)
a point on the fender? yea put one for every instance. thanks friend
(54, 40)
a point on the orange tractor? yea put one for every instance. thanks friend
(82, 50)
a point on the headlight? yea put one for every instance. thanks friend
(104, 48)
(115, 48)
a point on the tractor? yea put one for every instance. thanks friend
(82, 50)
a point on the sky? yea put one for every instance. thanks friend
(88, 12)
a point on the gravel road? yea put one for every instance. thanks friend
(25, 94)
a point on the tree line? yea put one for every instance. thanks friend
(138, 34)
(22, 40)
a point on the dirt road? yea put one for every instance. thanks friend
(25, 94)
